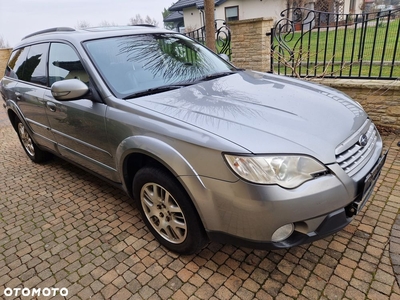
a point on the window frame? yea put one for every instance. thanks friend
(46, 56)
(24, 51)
(51, 43)
(230, 7)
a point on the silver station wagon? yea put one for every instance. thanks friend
(207, 151)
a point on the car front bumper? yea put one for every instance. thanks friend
(245, 214)
(329, 224)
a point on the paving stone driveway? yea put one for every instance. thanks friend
(60, 227)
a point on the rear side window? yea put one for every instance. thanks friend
(29, 64)
(16, 63)
(64, 63)
(35, 64)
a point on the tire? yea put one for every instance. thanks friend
(167, 211)
(31, 149)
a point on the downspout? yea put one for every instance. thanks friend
(203, 21)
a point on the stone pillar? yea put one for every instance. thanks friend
(4, 56)
(251, 47)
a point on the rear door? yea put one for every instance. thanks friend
(27, 66)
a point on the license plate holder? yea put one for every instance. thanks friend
(370, 181)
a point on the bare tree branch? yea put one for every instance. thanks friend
(82, 24)
(4, 43)
(139, 20)
(105, 23)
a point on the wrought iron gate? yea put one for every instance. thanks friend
(222, 37)
(310, 43)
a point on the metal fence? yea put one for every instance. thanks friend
(308, 43)
(222, 37)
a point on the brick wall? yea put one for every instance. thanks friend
(251, 48)
(4, 55)
(380, 98)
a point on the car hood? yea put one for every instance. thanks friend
(265, 113)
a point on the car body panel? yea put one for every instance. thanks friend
(133, 129)
(81, 135)
(260, 113)
(33, 108)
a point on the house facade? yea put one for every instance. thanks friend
(192, 11)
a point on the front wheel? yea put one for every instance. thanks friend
(167, 211)
(32, 150)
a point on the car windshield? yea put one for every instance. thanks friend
(133, 65)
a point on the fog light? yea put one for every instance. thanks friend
(282, 233)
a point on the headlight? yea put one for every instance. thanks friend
(287, 171)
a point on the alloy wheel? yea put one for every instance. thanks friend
(26, 139)
(163, 213)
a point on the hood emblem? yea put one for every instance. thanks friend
(363, 140)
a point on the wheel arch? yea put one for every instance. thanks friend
(13, 116)
(139, 151)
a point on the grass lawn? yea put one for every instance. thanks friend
(353, 51)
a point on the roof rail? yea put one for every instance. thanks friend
(55, 29)
(145, 25)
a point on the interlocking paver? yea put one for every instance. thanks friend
(60, 227)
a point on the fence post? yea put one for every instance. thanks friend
(251, 47)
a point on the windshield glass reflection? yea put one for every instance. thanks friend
(138, 63)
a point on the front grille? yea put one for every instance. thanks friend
(350, 155)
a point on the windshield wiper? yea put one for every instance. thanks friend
(216, 75)
(165, 88)
(156, 90)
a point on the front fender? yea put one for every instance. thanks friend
(156, 149)
(171, 159)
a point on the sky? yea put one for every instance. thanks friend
(19, 18)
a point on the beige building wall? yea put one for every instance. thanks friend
(357, 5)
(251, 9)
(193, 19)
(248, 9)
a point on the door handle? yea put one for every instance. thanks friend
(51, 106)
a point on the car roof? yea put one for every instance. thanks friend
(80, 35)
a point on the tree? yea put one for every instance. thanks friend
(137, 20)
(4, 43)
(209, 7)
(105, 23)
(151, 21)
(82, 24)
(168, 25)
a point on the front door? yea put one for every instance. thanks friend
(78, 125)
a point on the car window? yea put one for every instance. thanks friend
(136, 63)
(64, 63)
(35, 64)
(15, 66)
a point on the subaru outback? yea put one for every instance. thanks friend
(208, 151)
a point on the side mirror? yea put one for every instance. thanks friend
(69, 89)
(224, 56)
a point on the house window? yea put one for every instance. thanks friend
(232, 13)
(352, 6)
